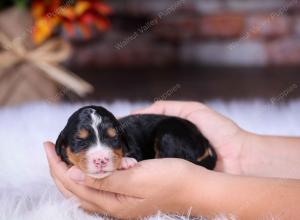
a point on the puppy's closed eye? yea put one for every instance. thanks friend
(111, 132)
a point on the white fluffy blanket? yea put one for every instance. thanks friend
(26, 189)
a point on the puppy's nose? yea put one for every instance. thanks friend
(100, 162)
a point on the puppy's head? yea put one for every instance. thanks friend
(93, 141)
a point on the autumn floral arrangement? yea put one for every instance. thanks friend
(53, 24)
(74, 19)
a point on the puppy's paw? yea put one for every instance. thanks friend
(127, 162)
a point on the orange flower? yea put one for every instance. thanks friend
(75, 19)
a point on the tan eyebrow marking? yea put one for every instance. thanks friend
(111, 132)
(83, 133)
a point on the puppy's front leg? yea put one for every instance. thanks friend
(127, 162)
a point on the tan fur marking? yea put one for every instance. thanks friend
(77, 159)
(117, 157)
(156, 149)
(156, 152)
(111, 132)
(206, 154)
(80, 159)
(83, 133)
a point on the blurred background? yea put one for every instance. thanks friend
(241, 57)
(141, 50)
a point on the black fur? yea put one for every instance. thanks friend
(140, 136)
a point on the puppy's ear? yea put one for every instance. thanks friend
(60, 147)
(124, 137)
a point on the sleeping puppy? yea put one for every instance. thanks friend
(98, 144)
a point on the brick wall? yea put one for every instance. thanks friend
(210, 32)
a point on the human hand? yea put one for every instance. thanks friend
(223, 134)
(152, 185)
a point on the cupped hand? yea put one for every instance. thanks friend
(223, 134)
(152, 185)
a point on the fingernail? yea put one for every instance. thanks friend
(76, 174)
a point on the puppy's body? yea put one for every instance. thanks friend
(98, 143)
(159, 136)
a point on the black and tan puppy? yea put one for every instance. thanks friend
(96, 142)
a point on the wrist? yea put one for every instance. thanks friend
(251, 152)
(270, 156)
(195, 194)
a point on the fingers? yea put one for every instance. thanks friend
(120, 182)
(58, 169)
(67, 194)
(91, 208)
(172, 108)
(133, 182)
(159, 107)
(101, 199)
(126, 208)
(87, 206)
(53, 159)
(50, 152)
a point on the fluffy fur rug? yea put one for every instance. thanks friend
(26, 189)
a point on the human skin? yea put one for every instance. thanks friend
(175, 185)
(240, 152)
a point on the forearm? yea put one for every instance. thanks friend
(244, 197)
(271, 156)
